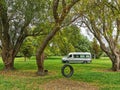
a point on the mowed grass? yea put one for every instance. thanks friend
(97, 73)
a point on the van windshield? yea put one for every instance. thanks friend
(69, 56)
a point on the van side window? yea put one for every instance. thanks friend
(87, 56)
(82, 56)
(77, 56)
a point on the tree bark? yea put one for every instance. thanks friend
(10, 65)
(116, 66)
(115, 59)
(40, 64)
(116, 62)
(8, 59)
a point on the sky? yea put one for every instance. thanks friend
(86, 33)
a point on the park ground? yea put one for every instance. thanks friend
(94, 76)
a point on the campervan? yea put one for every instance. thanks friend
(77, 57)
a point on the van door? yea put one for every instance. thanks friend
(70, 58)
(76, 58)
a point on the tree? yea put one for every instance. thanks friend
(63, 44)
(27, 48)
(95, 49)
(78, 41)
(60, 11)
(102, 18)
(16, 19)
(83, 44)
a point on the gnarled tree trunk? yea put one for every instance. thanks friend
(116, 61)
(115, 58)
(40, 55)
(8, 59)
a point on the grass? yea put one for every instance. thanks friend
(24, 78)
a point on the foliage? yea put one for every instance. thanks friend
(22, 15)
(79, 41)
(95, 49)
(27, 48)
(69, 39)
(83, 44)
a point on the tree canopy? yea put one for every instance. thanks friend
(102, 18)
(18, 20)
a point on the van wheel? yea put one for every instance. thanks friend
(67, 61)
(67, 70)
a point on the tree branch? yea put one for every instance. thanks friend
(63, 6)
(0, 29)
(66, 10)
(55, 10)
(73, 20)
(36, 33)
(0, 47)
(118, 30)
(63, 3)
(18, 43)
(5, 39)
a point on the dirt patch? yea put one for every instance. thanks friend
(19, 73)
(67, 84)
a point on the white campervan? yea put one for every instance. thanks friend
(77, 57)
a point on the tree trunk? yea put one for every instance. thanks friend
(40, 64)
(114, 57)
(9, 66)
(40, 55)
(8, 59)
(116, 64)
(25, 58)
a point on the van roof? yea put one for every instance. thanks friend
(80, 53)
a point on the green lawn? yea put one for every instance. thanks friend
(24, 78)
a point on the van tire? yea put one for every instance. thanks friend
(67, 61)
(63, 70)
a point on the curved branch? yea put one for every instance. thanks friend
(55, 10)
